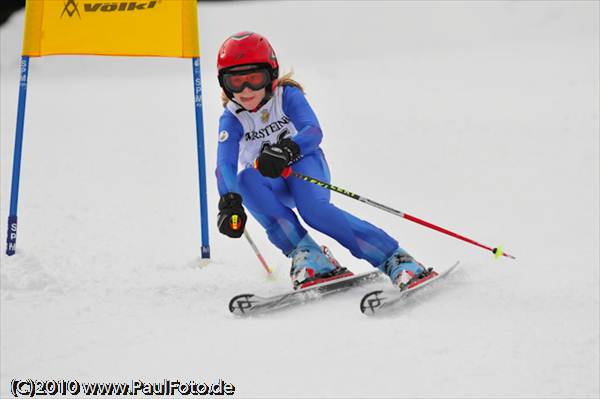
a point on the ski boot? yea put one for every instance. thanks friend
(340, 271)
(313, 265)
(404, 271)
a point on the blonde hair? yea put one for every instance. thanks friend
(285, 80)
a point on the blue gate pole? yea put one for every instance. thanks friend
(11, 235)
(201, 161)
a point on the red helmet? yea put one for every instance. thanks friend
(247, 48)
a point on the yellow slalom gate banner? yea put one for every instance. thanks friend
(162, 28)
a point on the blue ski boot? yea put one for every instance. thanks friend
(404, 271)
(312, 264)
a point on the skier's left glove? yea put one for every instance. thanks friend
(275, 158)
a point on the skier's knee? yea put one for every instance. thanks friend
(313, 214)
(247, 179)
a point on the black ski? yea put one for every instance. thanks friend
(249, 304)
(377, 301)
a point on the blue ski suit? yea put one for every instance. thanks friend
(271, 201)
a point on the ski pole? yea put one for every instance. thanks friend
(288, 171)
(257, 252)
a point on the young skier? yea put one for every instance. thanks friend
(266, 126)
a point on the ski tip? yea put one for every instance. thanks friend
(241, 305)
(371, 302)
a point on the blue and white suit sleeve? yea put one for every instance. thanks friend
(296, 107)
(230, 134)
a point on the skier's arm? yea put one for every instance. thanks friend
(230, 133)
(231, 219)
(304, 119)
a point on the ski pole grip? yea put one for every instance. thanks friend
(285, 173)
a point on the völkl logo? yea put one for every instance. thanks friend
(71, 6)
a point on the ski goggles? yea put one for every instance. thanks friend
(255, 79)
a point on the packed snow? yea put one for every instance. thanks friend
(482, 117)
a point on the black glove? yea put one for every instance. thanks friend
(232, 218)
(275, 158)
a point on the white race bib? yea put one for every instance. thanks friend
(266, 126)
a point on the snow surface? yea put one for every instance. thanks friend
(482, 117)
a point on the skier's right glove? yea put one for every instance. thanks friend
(231, 219)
